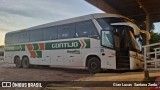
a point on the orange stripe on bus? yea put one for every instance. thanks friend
(33, 54)
(41, 45)
(29, 46)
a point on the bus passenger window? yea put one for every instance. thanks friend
(86, 29)
(12, 38)
(66, 31)
(23, 37)
(35, 35)
(50, 33)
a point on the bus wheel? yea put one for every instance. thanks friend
(94, 65)
(18, 62)
(25, 62)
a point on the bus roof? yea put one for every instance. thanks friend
(72, 20)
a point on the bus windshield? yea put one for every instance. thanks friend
(127, 37)
(105, 23)
(125, 34)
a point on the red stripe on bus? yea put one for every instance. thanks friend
(41, 45)
(33, 54)
(29, 46)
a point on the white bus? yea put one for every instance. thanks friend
(93, 42)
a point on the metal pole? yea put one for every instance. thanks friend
(146, 73)
(145, 61)
(148, 22)
(148, 29)
(155, 58)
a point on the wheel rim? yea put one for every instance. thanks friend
(25, 62)
(17, 62)
(94, 65)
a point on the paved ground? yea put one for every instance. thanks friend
(8, 72)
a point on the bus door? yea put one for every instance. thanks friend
(121, 42)
(109, 53)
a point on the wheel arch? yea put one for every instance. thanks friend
(25, 64)
(25, 56)
(15, 58)
(90, 56)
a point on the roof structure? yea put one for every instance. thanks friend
(130, 8)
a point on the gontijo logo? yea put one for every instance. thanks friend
(74, 44)
(68, 44)
(65, 45)
(36, 49)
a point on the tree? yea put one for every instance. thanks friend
(140, 21)
(155, 37)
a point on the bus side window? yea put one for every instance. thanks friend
(86, 29)
(50, 33)
(35, 35)
(12, 38)
(66, 31)
(15, 38)
(23, 37)
(7, 39)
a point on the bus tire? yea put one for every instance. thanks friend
(25, 63)
(94, 65)
(18, 62)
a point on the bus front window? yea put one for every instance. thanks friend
(107, 39)
(105, 23)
